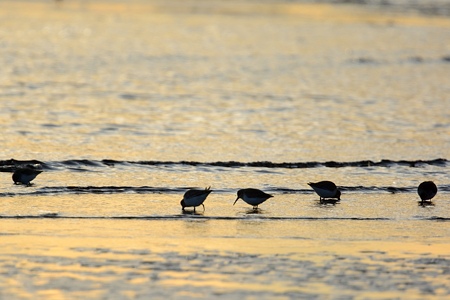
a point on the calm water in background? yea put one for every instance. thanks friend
(127, 104)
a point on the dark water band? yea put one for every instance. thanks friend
(11, 164)
(61, 190)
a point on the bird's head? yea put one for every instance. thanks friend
(240, 193)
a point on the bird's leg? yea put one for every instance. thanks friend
(203, 206)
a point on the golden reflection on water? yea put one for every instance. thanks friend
(317, 11)
(100, 252)
(298, 238)
(202, 84)
(86, 258)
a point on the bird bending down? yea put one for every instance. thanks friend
(254, 197)
(194, 197)
(25, 176)
(427, 190)
(326, 190)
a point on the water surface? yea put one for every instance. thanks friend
(126, 105)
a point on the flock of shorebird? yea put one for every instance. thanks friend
(327, 191)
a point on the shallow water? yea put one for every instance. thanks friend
(140, 246)
(126, 105)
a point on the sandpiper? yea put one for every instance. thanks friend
(326, 189)
(427, 190)
(25, 176)
(253, 197)
(194, 197)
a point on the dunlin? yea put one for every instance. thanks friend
(427, 190)
(25, 176)
(326, 189)
(193, 198)
(253, 197)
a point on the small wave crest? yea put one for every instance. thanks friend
(217, 218)
(81, 164)
(59, 190)
(190, 216)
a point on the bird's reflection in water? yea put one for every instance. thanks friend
(254, 211)
(192, 212)
(326, 202)
(425, 203)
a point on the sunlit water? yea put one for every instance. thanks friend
(126, 105)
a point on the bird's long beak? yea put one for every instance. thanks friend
(236, 200)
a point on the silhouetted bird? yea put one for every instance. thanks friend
(326, 190)
(427, 190)
(253, 197)
(25, 176)
(193, 198)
